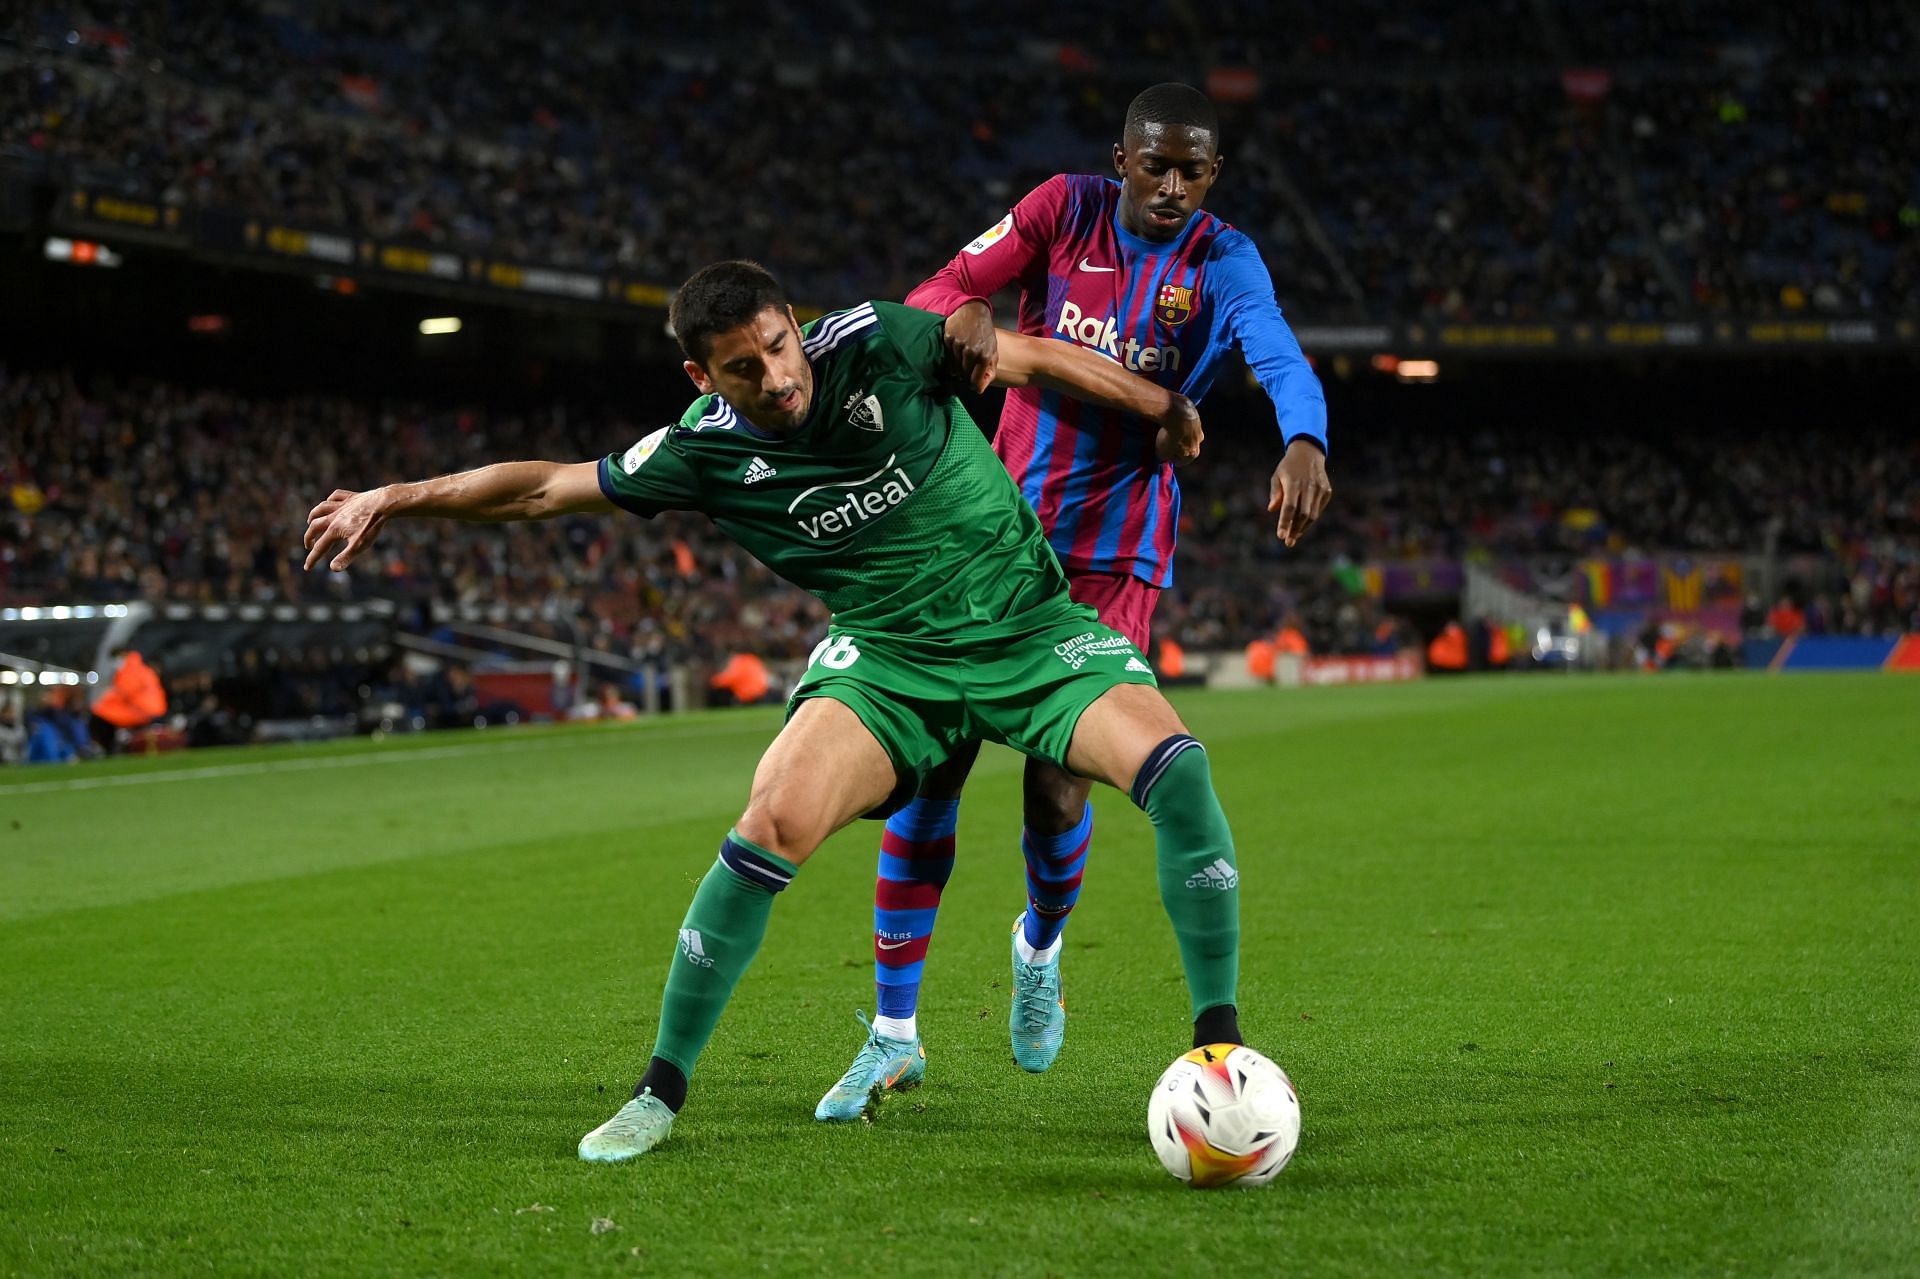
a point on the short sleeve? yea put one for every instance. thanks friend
(654, 475)
(920, 339)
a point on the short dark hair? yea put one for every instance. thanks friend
(1176, 105)
(719, 297)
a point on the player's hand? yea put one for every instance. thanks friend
(1300, 491)
(1180, 434)
(971, 344)
(345, 519)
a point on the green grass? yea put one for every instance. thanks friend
(1605, 976)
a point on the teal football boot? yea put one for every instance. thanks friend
(1038, 1021)
(635, 1128)
(881, 1065)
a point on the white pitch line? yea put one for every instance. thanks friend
(325, 761)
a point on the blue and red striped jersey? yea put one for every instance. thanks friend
(1169, 312)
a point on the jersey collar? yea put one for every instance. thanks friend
(721, 416)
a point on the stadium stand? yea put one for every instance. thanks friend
(132, 489)
(1509, 162)
(1578, 165)
(144, 491)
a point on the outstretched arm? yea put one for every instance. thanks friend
(505, 491)
(1092, 377)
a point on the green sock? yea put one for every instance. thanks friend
(1199, 883)
(718, 939)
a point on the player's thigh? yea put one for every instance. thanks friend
(1118, 731)
(1032, 690)
(824, 770)
(1053, 798)
(906, 703)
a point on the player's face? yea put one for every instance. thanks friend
(761, 370)
(1165, 172)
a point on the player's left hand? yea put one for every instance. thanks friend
(1180, 434)
(345, 519)
(1300, 491)
(971, 344)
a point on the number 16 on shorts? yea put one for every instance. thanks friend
(836, 653)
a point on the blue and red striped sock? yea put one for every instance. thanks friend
(916, 857)
(1055, 864)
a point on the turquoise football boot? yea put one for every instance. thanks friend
(881, 1065)
(635, 1128)
(1038, 1020)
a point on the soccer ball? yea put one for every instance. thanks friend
(1224, 1115)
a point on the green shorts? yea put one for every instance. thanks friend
(1026, 690)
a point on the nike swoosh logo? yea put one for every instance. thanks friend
(892, 945)
(1088, 266)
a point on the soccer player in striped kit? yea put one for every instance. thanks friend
(1133, 268)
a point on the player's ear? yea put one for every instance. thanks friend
(701, 381)
(1120, 159)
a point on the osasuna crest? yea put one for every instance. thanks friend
(991, 234)
(866, 413)
(1174, 304)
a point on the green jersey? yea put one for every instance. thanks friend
(887, 503)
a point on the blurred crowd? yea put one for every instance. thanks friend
(1663, 484)
(1403, 159)
(1500, 162)
(128, 489)
(140, 490)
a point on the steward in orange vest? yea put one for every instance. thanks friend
(135, 699)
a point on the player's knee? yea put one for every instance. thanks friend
(1174, 778)
(1054, 799)
(780, 827)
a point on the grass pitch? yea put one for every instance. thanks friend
(1586, 976)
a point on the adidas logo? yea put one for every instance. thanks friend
(1218, 875)
(758, 470)
(693, 949)
(1135, 664)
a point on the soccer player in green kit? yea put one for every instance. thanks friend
(839, 456)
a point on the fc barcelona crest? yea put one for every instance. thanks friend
(1174, 304)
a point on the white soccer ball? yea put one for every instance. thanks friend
(1223, 1115)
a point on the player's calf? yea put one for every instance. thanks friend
(1054, 844)
(718, 938)
(1199, 878)
(1131, 737)
(916, 859)
(823, 770)
(1037, 1020)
